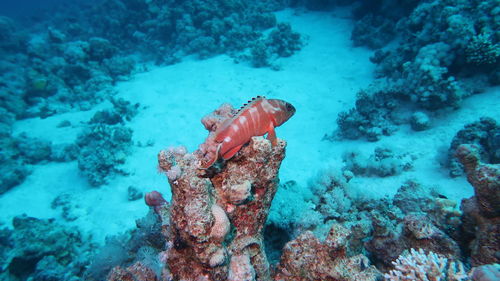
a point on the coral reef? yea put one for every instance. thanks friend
(447, 51)
(104, 144)
(44, 249)
(281, 42)
(383, 163)
(214, 225)
(17, 155)
(483, 177)
(307, 258)
(49, 73)
(136, 249)
(481, 218)
(417, 218)
(54, 67)
(373, 31)
(177, 28)
(102, 149)
(376, 114)
(485, 134)
(58, 75)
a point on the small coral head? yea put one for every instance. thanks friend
(286, 110)
(154, 199)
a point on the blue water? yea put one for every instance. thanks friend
(387, 93)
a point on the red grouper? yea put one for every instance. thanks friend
(257, 118)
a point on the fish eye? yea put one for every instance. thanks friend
(290, 107)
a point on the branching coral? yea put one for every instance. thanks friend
(417, 265)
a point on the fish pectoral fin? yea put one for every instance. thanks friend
(271, 135)
(211, 162)
(231, 152)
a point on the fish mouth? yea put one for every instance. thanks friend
(290, 108)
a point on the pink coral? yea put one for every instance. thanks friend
(155, 200)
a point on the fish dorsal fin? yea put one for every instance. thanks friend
(249, 103)
(222, 130)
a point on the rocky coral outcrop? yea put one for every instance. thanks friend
(485, 135)
(481, 220)
(216, 220)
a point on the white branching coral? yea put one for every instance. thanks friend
(417, 265)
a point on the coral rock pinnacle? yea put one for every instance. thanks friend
(216, 222)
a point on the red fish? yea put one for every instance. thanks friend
(257, 118)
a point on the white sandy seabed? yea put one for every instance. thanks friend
(320, 81)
